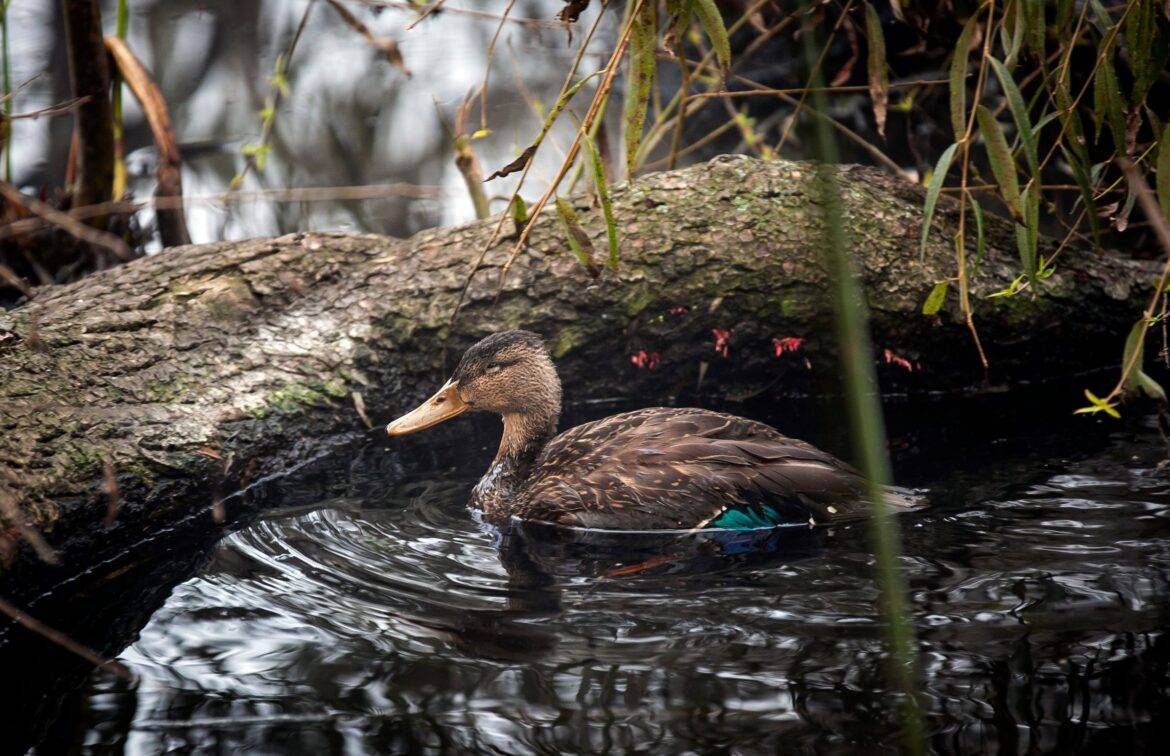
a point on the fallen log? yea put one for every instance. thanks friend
(138, 395)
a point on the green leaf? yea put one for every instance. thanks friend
(1141, 31)
(1135, 341)
(578, 240)
(958, 79)
(519, 211)
(1028, 236)
(980, 239)
(1070, 119)
(1019, 113)
(1012, 289)
(597, 170)
(1012, 31)
(712, 22)
(1108, 101)
(560, 104)
(1044, 122)
(879, 72)
(1097, 404)
(1101, 18)
(1162, 180)
(932, 192)
(934, 301)
(1137, 379)
(1152, 388)
(680, 13)
(640, 78)
(1082, 178)
(1034, 21)
(1002, 164)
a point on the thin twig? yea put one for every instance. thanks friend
(296, 194)
(565, 86)
(763, 91)
(487, 66)
(853, 136)
(1153, 213)
(9, 276)
(67, 222)
(538, 23)
(64, 641)
(586, 123)
(53, 110)
(387, 47)
(814, 72)
(250, 160)
(425, 14)
(961, 233)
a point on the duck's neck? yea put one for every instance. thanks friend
(524, 437)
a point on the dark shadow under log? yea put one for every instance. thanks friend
(184, 376)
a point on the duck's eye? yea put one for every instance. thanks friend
(492, 369)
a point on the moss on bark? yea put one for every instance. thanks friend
(195, 371)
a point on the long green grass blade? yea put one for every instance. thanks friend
(1108, 102)
(1019, 114)
(1081, 176)
(712, 22)
(1034, 21)
(932, 192)
(578, 240)
(597, 171)
(1146, 57)
(1012, 31)
(1070, 119)
(1029, 241)
(1002, 164)
(6, 124)
(980, 236)
(879, 72)
(958, 79)
(865, 413)
(640, 79)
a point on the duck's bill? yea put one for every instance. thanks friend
(444, 405)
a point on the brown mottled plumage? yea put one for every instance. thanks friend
(648, 469)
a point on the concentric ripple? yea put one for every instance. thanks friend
(399, 622)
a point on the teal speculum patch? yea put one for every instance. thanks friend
(750, 518)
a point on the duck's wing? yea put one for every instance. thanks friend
(685, 468)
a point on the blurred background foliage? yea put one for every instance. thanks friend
(384, 115)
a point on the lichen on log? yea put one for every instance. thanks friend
(186, 375)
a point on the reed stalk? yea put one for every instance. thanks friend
(865, 414)
(6, 125)
(121, 26)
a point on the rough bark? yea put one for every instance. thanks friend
(186, 375)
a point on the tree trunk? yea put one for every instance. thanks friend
(89, 72)
(187, 375)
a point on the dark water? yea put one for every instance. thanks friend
(384, 617)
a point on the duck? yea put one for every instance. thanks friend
(659, 468)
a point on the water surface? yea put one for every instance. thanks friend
(385, 617)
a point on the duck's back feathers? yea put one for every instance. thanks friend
(686, 468)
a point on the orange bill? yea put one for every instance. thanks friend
(444, 405)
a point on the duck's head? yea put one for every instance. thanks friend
(509, 373)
